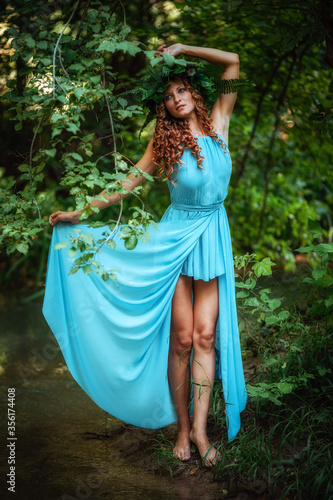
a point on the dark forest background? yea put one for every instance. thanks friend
(281, 130)
(70, 127)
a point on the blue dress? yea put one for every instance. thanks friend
(115, 337)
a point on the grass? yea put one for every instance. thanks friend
(287, 453)
(285, 446)
(162, 448)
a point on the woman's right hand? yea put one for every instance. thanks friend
(72, 217)
(174, 50)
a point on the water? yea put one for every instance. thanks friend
(60, 452)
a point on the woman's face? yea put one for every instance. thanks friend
(178, 100)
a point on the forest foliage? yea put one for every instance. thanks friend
(71, 131)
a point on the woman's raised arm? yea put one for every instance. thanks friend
(146, 164)
(229, 60)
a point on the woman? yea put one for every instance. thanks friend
(190, 149)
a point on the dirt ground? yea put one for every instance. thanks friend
(67, 447)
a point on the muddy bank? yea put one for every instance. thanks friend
(67, 447)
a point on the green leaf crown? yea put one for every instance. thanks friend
(202, 76)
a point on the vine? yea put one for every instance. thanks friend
(70, 70)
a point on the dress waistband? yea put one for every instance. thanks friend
(196, 208)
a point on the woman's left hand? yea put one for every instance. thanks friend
(174, 50)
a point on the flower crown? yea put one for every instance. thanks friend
(204, 77)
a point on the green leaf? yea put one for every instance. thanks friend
(50, 152)
(55, 132)
(13, 32)
(320, 249)
(96, 28)
(149, 53)
(87, 269)
(76, 156)
(124, 113)
(242, 294)
(250, 283)
(62, 244)
(146, 175)
(22, 248)
(263, 268)
(127, 47)
(76, 67)
(24, 168)
(62, 99)
(95, 79)
(72, 252)
(271, 320)
(72, 127)
(181, 62)
(265, 291)
(325, 281)
(284, 315)
(329, 301)
(273, 304)
(144, 236)
(285, 387)
(131, 242)
(122, 101)
(323, 248)
(125, 231)
(111, 244)
(322, 370)
(318, 273)
(252, 390)
(97, 223)
(154, 61)
(134, 107)
(252, 302)
(325, 259)
(308, 280)
(122, 165)
(125, 30)
(42, 44)
(30, 42)
(46, 61)
(87, 238)
(79, 91)
(169, 59)
(56, 116)
(305, 249)
(74, 270)
(315, 227)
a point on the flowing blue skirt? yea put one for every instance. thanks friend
(115, 336)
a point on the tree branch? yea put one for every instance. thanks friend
(264, 91)
(86, 7)
(327, 22)
(271, 144)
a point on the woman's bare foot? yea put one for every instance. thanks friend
(204, 446)
(182, 450)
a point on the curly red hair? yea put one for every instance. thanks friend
(172, 135)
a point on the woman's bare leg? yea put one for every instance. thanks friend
(206, 311)
(179, 362)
